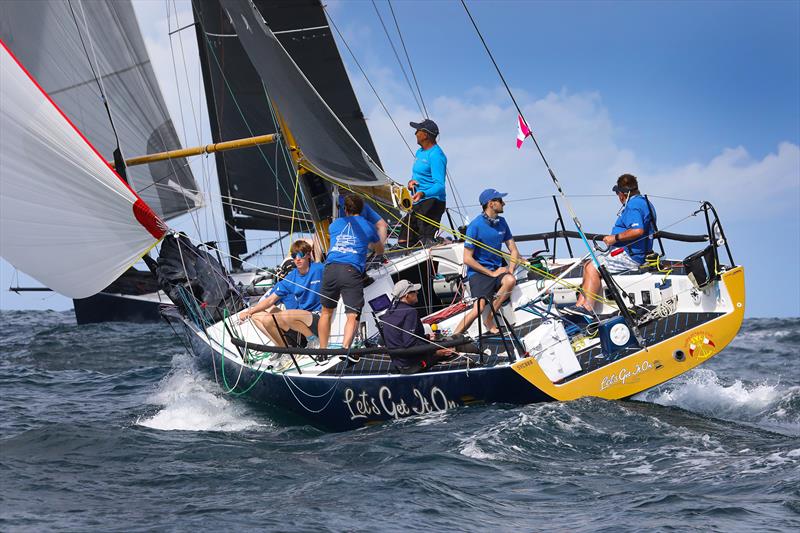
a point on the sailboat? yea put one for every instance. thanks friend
(655, 323)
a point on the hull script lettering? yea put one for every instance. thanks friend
(363, 406)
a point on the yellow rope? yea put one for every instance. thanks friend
(506, 256)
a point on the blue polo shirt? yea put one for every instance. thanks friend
(298, 291)
(430, 170)
(636, 215)
(350, 239)
(493, 236)
(367, 212)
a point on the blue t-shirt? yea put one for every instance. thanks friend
(636, 215)
(297, 291)
(368, 213)
(350, 238)
(430, 169)
(493, 236)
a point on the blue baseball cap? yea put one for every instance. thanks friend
(426, 125)
(490, 194)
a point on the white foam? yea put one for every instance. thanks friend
(702, 392)
(191, 402)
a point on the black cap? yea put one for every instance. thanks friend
(426, 125)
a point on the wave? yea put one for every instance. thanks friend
(769, 406)
(190, 402)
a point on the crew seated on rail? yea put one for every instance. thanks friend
(402, 328)
(299, 292)
(630, 241)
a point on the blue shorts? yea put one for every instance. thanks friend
(483, 286)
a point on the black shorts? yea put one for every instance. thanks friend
(314, 327)
(483, 286)
(343, 280)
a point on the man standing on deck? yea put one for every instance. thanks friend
(351, 238)
(486, 272)
(371, 215)
(299, 292)
(428, 176)
(632, 235)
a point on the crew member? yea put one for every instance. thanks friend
(351, 238)
(299, 292)
(632, 232)
(403, 329)
(381, 226)
(428, 176)
(486, 270)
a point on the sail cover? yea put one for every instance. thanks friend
(326, 146)
(66, 218)
(260, 181)
(49, 39)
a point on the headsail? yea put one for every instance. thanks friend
(66, 218)
(258, 182)
(326, 146)
(50, 41)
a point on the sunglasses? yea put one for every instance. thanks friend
(295, 255)
(498, 200)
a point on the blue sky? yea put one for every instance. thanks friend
(699, 99)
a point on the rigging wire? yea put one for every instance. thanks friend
(397, 56)
(371, 86)
(97, 79)
(535, 142)
(410, 66)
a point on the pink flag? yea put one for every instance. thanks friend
(522, 131)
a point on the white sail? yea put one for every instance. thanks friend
(66, 218)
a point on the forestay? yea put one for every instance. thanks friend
(326, 146)
(66, 218)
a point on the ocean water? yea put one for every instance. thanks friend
(110, 427)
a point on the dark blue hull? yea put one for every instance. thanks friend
(348, 402)
(106, 307)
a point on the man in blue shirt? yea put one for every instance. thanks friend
(371, 215)
(428, 176)
(630, 241)
(299, 291)
(351, 238)
(486, 270)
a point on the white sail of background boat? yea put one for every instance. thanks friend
(66, 218)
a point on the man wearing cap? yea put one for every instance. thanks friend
(486, 270)
(402, 328)
(351, 238)
(427, 182)
(632, 233)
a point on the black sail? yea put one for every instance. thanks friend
(52, 39)
(257, 184)
(326, 145)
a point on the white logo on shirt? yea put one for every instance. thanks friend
(346, 241)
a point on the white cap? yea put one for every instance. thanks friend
(403, 287)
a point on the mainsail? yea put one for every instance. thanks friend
(66, 218)
(60, 42)
(325, 145)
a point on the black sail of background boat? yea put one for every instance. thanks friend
(655, 323)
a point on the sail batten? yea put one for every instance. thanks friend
(66, 218)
